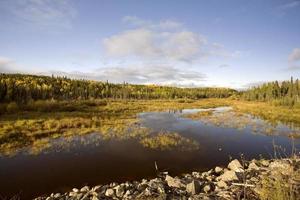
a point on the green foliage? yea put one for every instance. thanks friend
(27, 88)
(285, 93)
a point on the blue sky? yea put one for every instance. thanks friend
(185, 43)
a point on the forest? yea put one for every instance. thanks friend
(285, 93)
(22, 89)
(25, 88)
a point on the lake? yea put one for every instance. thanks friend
(91, 159)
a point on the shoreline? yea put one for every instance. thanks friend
(240, 179)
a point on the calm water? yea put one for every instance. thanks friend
(88, 160)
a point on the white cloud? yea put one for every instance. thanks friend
(149, 44)
(294, 59)
(294, 55)
(43, 13)
(166, 40)
(158, 74)
(7, 65)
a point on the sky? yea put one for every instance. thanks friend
(191, 43)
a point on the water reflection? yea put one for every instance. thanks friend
(173, 139)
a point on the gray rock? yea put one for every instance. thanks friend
(228, 176)
(218, 170)
(57, 195)
(127, 194)
(109, 192)
(236, 166)
(96, 188)
(264, 163)
(196, 174)
(207, 188)
(194, 187)
(174, 182)
(209, 178)
(95, 198)
(253, 179)
(84, 189)
(120, 190)
(253, 166)
(222, 184)
(147, 192)
(72, 194)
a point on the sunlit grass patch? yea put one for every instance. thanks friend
(168, 140)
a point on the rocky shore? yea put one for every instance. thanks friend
(257, 179)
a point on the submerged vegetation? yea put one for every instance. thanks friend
(166, 140)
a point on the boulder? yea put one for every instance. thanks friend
(264, 163)
(84, 189)
(120, 190)
(207, 188)
(95, 198)
(75, 190)
(253, 166)
(194, 187)
(228, 176)
(236, 166)
(109, 192)
(222, 184)
(174, 182)
(218, 170)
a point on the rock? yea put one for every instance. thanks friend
(120, 190)
(228, 176)
(174, 182)
(194, 187)
(253, 179)
(264, 163)
(196, 174)
(95, 198)
(147, 192)
(57, 195)
(253, 166)
(75, 190)
(209, 178)
(218, 170)
(127, 194)
(109, 192)
(96, 188)
(222, 184)
(72, 194)
(206, 188)
(236, 166)
(84, 189)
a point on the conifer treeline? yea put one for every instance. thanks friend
(24, 88)
(283, 93)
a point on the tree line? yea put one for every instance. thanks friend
(21, 89)
(282, 93)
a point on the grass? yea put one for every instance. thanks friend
(37, 122)
(282, 183)
(166, 141)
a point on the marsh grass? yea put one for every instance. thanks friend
(282, 184)
(169, 140)
(28, 125)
